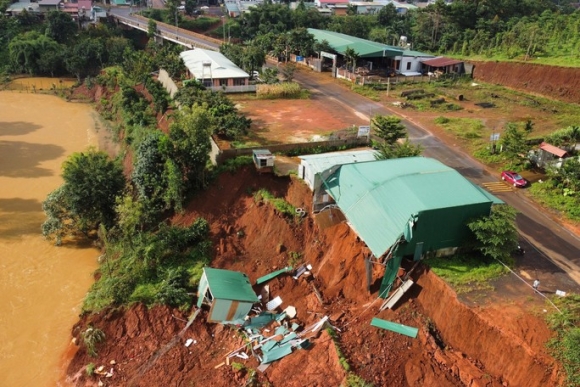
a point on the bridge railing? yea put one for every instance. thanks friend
(185, 37)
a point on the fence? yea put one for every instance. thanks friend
(234, 89)
(226, 154)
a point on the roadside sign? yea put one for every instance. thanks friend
(364, 131)
(494, 137)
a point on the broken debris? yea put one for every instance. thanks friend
(398, 328)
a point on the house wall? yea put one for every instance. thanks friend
(201, 289)
(219, 310)
(409, 63)
(443, 228)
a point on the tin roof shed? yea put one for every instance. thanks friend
(364, 48)
(417, 199)
(229, 293)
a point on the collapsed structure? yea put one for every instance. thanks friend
(403, 207)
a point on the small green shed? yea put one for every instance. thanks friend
(229, 294)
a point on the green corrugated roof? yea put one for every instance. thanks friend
(229, 285)
(365, 48)
(391, 326)
(380, 198)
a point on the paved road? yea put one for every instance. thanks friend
(543, 238)
(552, 252)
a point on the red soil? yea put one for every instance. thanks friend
(498, 345)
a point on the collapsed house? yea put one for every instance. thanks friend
(228, 293)
(403, 207)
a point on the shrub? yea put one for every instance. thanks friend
(91, 337)
(281, 205)
(90, 369)
(279, 90)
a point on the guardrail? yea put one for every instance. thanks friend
(180, 36)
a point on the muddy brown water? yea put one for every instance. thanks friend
(42, 286)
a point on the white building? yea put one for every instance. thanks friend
(215, 71)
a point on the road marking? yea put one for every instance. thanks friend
(497, 187)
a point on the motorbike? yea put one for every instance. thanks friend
(519, 250)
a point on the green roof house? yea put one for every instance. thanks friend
(407, 206)
(407, 202)
(229, 294)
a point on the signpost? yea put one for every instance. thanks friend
(364, 131)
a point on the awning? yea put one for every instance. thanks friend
(441, 62)
(553, 150)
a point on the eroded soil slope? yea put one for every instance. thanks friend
(456, 345)
(562, 83)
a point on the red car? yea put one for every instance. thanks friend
(513, 178)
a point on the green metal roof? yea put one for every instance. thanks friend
(391, 326)
(229, 285)
(381, 199)
(365, 48)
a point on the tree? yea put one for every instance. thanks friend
(496, 235)
(151, 28)
(397, 150)
(351, 57)
(86, 199)
(60, 26)
(388, 128)
(514, 143)
(190, 135)
(288, 71)
(92, 184)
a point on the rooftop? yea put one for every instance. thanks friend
(220, 66)
(380, 198)
(441, 61)
(364, 48)
(553, 149)
(229, 285)
(321, 162)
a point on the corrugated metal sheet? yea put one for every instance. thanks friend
(364, 48)
(391, 326)
(221, 67)
(553, 149)
(229, 285)
(379, 198)
(274, 274)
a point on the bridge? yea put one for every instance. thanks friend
(165, 31)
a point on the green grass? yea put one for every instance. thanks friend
(466, 273)
(465, 128)
(281, 205)
(552, 197)
(565, 345)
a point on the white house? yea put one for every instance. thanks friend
(214, 70)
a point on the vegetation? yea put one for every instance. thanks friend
(281, 205)
(155, 267)
(279, 90)
(86, 199)
(390, 130)
(467, 272)
(496, 235)
(565, 345)
(91, 337)
(90, 369)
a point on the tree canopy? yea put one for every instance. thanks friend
(86, 200)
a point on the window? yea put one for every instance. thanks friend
(223, 82)
(408, 65)
(239, 81)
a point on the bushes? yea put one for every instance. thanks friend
(279, 90)
(154, 268)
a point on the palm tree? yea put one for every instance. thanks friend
(351, 57)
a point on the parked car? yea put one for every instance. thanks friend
(513, 178)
